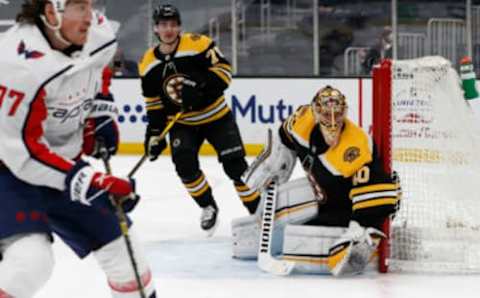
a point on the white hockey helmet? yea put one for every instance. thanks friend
(59, 8)
(58, 5)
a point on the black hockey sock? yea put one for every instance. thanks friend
(250, 198)
(200, 191)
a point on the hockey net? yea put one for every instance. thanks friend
(426, 132)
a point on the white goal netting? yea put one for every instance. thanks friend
(436, 151)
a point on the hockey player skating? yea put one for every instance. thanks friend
(187, 72)
(50, 71)
(338, 208)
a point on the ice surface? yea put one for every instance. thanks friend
(186, 264)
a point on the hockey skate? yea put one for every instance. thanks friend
(208, 219)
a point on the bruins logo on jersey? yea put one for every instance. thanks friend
(351, 154)
(172, 86)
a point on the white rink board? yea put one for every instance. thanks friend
(257, 103)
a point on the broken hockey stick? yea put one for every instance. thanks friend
(162, 136)
(122, 221)
(266, 261)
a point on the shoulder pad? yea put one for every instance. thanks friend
(352, 152)
(301, 124)
(24, 48)
(100, 47)
(101, 31)
(192, 44)
(357, 133)
(145, 64)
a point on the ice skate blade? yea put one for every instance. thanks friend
(209, 233)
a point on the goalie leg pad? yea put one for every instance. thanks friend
(27, 264)
(245, 237)
(309, 246)
(113, 258)
(296, 204)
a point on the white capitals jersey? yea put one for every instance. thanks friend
(45, 97)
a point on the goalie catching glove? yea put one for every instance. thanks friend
(352, 252)
(85, 186)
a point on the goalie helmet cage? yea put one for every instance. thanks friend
(425, 131)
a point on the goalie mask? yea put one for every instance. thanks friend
(330, 108)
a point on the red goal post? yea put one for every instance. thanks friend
(382, 128)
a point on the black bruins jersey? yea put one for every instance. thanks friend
(197, 58)
(350, 175)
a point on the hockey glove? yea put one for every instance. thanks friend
(130, 202)
(153, 145)
(87, 187)
(352, 252)
(101, 128)
(192, 95)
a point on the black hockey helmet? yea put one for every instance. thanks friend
(166, 12)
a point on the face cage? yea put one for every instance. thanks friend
(330, 116)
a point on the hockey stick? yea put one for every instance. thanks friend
(162, 136)
(266, 261)
(122, 221)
